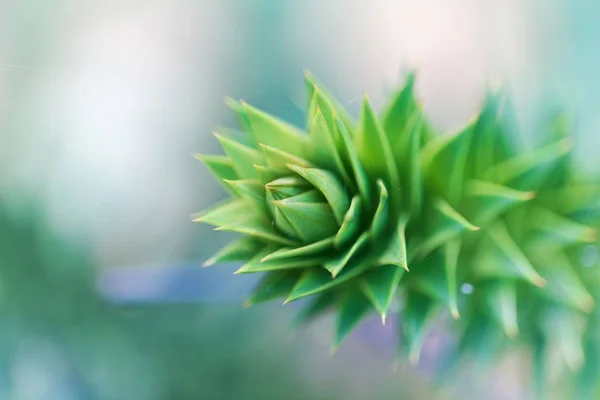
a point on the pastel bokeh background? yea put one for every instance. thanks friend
(103, 104)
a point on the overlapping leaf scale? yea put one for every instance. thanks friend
(559, 236)
(335, 204)
(538, 292)
(497, 189)
(354, 214)
(462, 202)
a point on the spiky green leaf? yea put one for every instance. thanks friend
(501, 257)
(335, 264)
(380, 285)
(311, 221)
(352, 307)
(488, 200)
(415, 324)
(320, 247)
(330, 186)
(272, 286)
(351, 224)
(221, 167)
(272, 131)
(242, 249)
(501, 297)
(374, 149)
(243, 157)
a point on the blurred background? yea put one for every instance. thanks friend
(103, 104)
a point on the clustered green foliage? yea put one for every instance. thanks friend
(354, 214)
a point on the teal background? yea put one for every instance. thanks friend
(103, 103)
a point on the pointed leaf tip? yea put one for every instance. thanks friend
(242, 249)
(449, 222)
(222, 213)
(501, 297)
(565, 145)
(275, 132)
(337, 264)
(414, 356)
(350, 226)
(304, 251)
(588, 304)
(242, 156)
(451, 255)
(591, 235)
(454, 312)
(416, 323)
(351, 310)
(487, 200)
(561, 229)
(501, 257)
(380, 286)
(230, 101)
(273, 285)
(539, 281)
